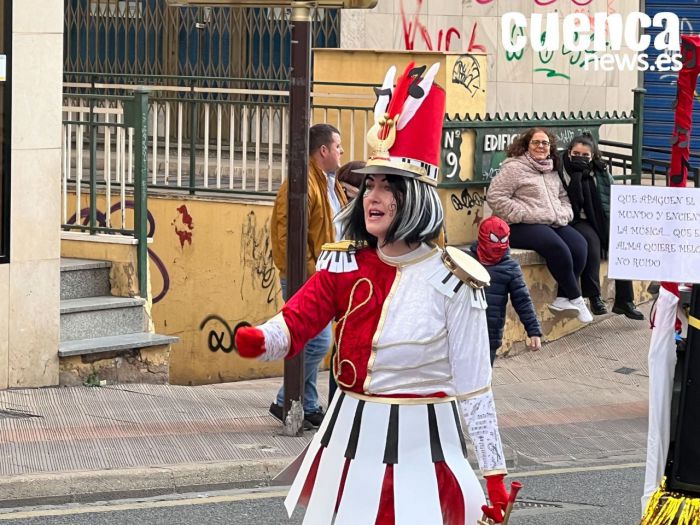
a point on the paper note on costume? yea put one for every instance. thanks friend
(3, 68)
(654, 234)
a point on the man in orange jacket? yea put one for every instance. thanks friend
(325, 199)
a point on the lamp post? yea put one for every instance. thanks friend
(297, 209)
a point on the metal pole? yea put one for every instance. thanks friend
(92, 127)
(638, 134)
(297, 227)
(140, 123)
(194, 123)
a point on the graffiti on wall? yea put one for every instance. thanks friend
(467, 200)
(470, 202)
(102, 222)
(183, 225)
(545, 60)
(415, 34)
(543, 3)
(446, 39)
(218, 338)
(467, 73)
(256, 256)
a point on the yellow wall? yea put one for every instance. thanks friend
(211, 258)
(208, 258)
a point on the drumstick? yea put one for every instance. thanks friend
(514, 489)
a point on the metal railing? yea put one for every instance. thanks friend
(224, 139)
(85, 127)
(653, 170)
(486, 129)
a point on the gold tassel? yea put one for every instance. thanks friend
(671, 508)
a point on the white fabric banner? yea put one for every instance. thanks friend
(662, 361)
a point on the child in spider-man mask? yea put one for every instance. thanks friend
(492, 250)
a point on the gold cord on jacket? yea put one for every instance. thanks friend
(337, 362)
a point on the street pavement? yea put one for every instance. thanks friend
(580, 401)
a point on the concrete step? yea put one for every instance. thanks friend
(113, 343)
(90, 317)
(84, 278)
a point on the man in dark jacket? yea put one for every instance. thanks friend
(492, 250)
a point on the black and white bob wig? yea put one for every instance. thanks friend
(419, 214)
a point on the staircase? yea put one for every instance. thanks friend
(104, 337)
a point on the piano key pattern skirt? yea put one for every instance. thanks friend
(380, 461)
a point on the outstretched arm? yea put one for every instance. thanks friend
(305, 314)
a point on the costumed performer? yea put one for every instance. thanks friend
(412, 359)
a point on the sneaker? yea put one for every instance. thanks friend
(598, 306)
(628, 310)
(584, 314)
(562, 304)
(314, 419)
(277, 412)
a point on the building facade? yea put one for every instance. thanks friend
(32, 36)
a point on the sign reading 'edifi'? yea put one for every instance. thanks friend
(655, 234)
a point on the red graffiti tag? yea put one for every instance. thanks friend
(542, 2)
(183, 225)
(473, 46)
(414, 25)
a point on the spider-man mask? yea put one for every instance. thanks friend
(493, 240)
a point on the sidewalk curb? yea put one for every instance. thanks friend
(53, 488)
(57, 488)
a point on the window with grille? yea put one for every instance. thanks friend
(116, 8)
(148, 37)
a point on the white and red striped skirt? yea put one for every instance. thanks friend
(387, 462)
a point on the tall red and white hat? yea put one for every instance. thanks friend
(405, 137)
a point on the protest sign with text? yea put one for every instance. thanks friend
(655, 234)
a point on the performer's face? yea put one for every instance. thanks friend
(379, 204)
(539, 146)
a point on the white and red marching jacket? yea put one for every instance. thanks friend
(409, 334)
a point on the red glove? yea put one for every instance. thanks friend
(498, 497)
(249, 342)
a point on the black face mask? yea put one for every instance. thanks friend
(580, 163)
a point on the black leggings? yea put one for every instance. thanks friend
(564, 250)
(590, 277)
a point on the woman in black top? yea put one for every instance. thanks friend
(587, 183)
